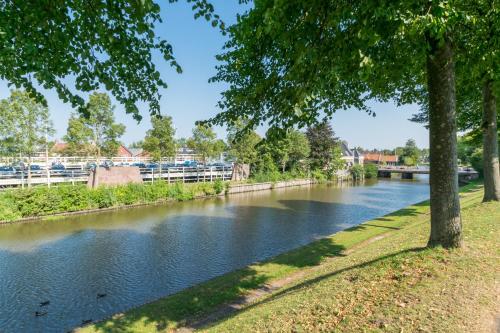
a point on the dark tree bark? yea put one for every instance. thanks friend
(446, 224)
(490, 144)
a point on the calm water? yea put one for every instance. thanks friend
(140, 254)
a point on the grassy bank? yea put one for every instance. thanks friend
(374, 277)
(42, 201)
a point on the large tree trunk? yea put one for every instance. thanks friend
(490, 145)
(446, 224)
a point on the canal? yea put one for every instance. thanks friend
(138, 255)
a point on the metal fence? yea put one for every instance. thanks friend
(74, 176)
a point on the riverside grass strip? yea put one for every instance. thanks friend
(377, 276)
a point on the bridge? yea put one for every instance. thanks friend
(464, 175)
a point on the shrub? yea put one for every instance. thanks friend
(8, 209)
(39, 201)
(218, 186)
(104, 197)
(371, 171)
(357, 172)
(319, 176)
(476, 160)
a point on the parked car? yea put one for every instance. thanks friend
(190, 164)
(220, 165)
(168, 165)
(107, 164)
(90, 166)
(58, 170)
(7, 171)
(139, 165)
(152, 166)
(36, 169)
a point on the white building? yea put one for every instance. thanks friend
(351, 156)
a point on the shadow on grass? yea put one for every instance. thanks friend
(305, 284)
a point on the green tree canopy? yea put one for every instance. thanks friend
(159, 141)
(98, 134)
(101, 121)
(323, 142)
(204, 141)
(77, 138)
(136, 144)
(98, 42)
(287, 151)
(292, 63)
(410, 154)
(25, 125)
(242, 148)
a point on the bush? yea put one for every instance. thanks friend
(371, 171)
(104, 197)
(319, 176)
(357, 172)
(39, 201)
(219, 186)
(476, 160)
(264, 177)
(8, 209)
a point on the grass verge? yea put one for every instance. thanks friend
(375, 277)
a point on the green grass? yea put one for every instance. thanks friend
(375, 277)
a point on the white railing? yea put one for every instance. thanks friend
(80, 175)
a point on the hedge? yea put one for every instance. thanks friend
(39, 201)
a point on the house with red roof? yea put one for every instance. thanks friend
(380, 159)
(124, 152)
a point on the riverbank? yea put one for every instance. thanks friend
(377, 276)
(24, 205)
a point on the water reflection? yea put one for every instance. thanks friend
(140, 254)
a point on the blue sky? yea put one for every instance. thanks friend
(190, 97)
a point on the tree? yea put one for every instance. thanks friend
(478, 83)
(97, 42)
(159, 141)
(479, 79)
(181, 142)
(410, 154)
(298, 148)
(101, 122)
(466, 145)
(322, 141)
(25, 125)
(242, 149)
(77, 138)
(96, 134)
(136, 145)
(336, 162)
(491, 166)
(292, 63)
(204, 141)
(287, 151)
(470, 150)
